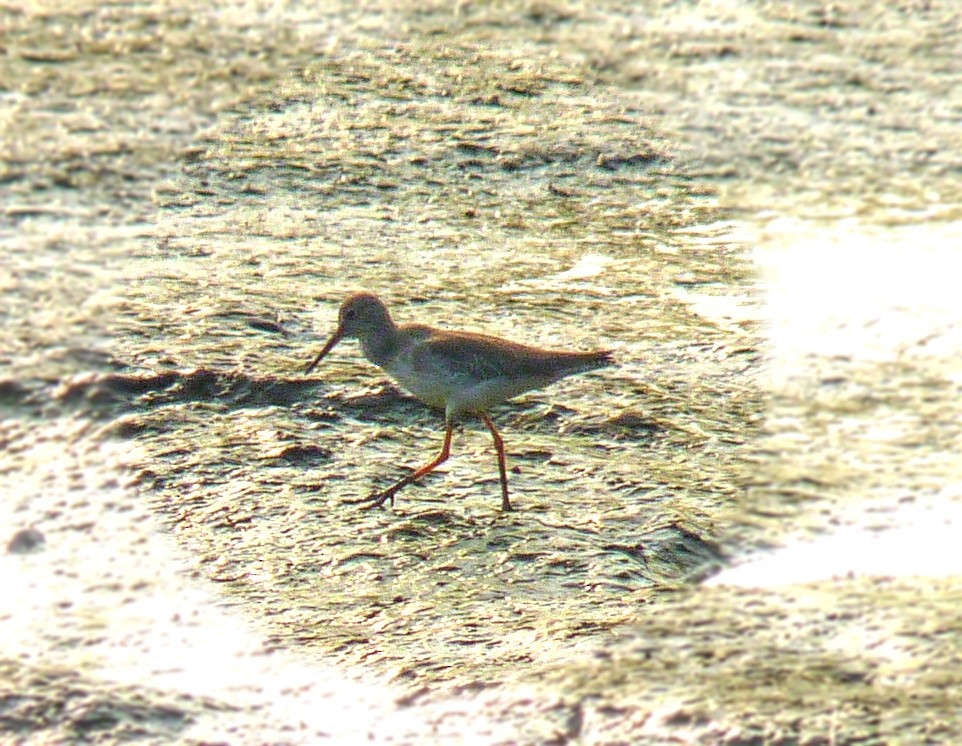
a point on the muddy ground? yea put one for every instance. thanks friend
(752, 204)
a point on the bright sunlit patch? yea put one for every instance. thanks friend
(858, 292)
(113, 581)
(923, 543)
(586, 268)
(590, 265)
(731, 312)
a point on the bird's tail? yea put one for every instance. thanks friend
(581, 362)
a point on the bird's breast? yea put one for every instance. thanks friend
(429, 385)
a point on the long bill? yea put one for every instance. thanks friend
(335, 338)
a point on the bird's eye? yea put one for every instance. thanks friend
(350, 314)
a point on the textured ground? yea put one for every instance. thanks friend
(189, 191)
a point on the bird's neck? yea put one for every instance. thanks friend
(381, 348)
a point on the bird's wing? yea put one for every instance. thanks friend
(483, 358)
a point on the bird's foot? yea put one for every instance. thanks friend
(375, 500)
(378, 499)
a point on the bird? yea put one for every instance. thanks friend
(463, 373)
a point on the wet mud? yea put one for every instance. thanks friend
(190, 191)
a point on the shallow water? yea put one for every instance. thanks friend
(178, 236)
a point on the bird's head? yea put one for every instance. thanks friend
(362, 315)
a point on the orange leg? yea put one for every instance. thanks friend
(502, 466)
(378, 499)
